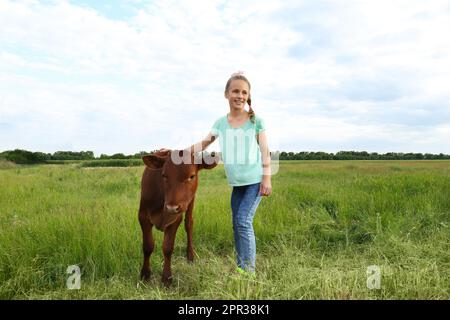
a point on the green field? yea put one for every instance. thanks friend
(326, 222)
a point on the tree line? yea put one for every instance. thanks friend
(27, 157)
(359, 155)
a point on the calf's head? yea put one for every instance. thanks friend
(179, 175)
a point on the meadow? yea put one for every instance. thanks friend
(324, 225)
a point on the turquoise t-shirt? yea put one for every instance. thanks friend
(240, 150)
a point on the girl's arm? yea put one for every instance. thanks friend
(199, 146)
(202, 145)
(266, 184)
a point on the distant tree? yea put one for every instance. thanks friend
(71, 155)
(118, 156)
(24, 157)
(140, 154)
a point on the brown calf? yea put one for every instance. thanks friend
(167, 191)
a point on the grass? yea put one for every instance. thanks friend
(112, 163)
(100, 163)
(325, 223)
(5, 164)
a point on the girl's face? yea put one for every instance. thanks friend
(237, 94)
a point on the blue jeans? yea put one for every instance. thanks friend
(244, 201)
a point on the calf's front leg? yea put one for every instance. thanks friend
(148, 244)
(189, 224)
(169, 240)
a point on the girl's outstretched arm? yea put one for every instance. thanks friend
(199, 146)
(266, 184)
(202, 145)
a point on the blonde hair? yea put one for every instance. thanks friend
(240, 76)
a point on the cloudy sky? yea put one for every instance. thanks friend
(125, 76)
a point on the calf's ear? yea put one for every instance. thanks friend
(162, 152)
(154, 161)
(209, 161)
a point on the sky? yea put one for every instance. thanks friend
(128, 76)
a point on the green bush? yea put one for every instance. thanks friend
(25, 157)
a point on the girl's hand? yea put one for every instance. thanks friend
(265, 188)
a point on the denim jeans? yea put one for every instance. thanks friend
(244, 201)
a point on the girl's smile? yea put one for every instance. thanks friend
(238, 94)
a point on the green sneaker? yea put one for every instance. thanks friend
(245, 273)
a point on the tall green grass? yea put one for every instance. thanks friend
(112, 163)
(325, 223)
(5, 164)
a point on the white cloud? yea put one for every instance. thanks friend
(323, 74)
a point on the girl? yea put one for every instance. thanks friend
(246, 159)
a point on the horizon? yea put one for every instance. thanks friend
(326, 76)
(219, 152)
